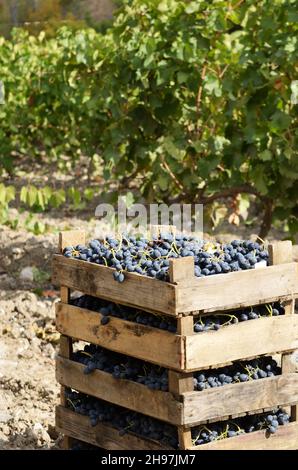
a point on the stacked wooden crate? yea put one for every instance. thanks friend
(184, 297)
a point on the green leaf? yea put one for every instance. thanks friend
(32, 196)
(89, 193)
(58, 198)
(24, 194)
(257, 174)
(2, 194)
(192, 7)
(206, 165)
(266, 155)
(172, 149)
(74, 195)
(182, 77)
(212, 86)
(163, 181)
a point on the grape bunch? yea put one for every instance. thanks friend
(107, 309)
(224, 429)
(150, 257)
(240, 371)
(122, 367)
(122, 419)
(217, 320)
(164, 322)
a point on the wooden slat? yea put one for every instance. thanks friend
(126, 393)
(181, 269)
(289, 306)
(240, 341)
(217, 292)
(238, 289)
(65, 346)
(65, 351)
(101, 435)
(280, 252)
(286, 438)
(185, 325)
(136, 290)
(184, 438)
(133, 339)
(71, 238)
(180, 382)
(240, 398)
(288, 365)
(64, 294)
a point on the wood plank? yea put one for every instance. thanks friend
(180, 382)
(280, 252)
(126, 393)
(240, 398)
(181, 269)
(65, 351)
(185, 325)
(78, 427)
(64, 294)
(66, 443)
(288, 365)
(184, 438)
(286, 438)
(140, 341)
(289, 306)
(242, 340)
(239, 289)
(65, 346)
(136, 290)
(71, 238)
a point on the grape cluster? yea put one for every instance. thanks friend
(221, 430)
(126, 313)
(122, 367)
(240, 371)
(217, 320)
(163, 322)
(122, 419)
(151, 257)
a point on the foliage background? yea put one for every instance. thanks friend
(189, 101)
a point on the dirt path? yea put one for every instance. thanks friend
(28, 343)
(28, 391)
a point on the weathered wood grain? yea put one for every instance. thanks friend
(241, 341)
(126, 393)
(101, 435)
(238, 398)
(140, 291)
(239, 289)
(143, 342)
(286, 438)
(71, 238)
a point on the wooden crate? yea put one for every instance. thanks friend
(183, 408)
(79, 427)
(183, 352)
(186, 351)
(185, 293)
